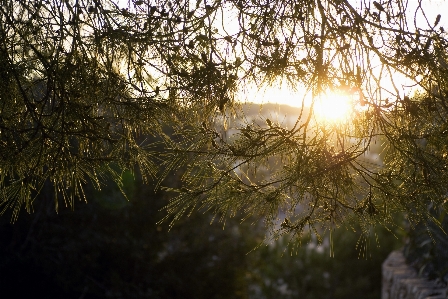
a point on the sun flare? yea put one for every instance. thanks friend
(333, 107)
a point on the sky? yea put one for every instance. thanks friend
(282, 94)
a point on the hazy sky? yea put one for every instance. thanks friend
(283, 95)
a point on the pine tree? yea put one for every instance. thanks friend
(83, 82)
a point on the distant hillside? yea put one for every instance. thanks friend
(253, 113)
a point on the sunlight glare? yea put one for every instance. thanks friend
(333, 107)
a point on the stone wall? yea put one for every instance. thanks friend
(400, 281)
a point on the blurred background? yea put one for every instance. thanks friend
(113, 247)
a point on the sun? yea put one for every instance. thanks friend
(333, 107)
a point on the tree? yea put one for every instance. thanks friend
(83, 83)
(111, 248)
(313, 273)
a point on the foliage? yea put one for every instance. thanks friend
(427, 248)
(110, 248)
(84, 82)
(316, 272)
